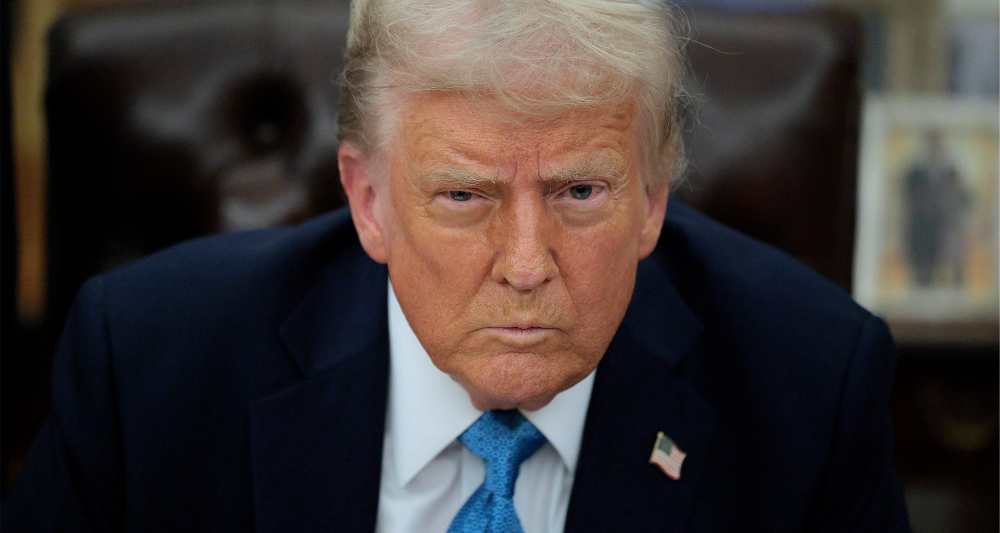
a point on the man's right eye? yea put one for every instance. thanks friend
(460, 196)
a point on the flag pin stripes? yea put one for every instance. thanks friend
(667, 456)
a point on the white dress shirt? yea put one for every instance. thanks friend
(427, 474)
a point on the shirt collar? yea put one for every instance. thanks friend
(428, 410)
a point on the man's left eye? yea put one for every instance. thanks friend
(460, 196)
(581, 192)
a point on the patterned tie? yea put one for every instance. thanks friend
(503, 439)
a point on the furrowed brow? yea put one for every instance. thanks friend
(600, 165)
(456, 177)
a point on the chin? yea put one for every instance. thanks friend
(516, 381)
(528, 403)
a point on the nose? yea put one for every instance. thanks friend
(523, 244)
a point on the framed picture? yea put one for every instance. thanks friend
(927, 219)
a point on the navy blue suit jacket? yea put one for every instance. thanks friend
(239, 383)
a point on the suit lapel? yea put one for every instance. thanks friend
(637, 394)
(316, 446)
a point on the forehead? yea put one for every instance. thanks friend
(456, 128)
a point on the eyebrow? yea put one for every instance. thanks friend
(454, 176)
(598, 165)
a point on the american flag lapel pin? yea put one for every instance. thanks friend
(667, 456)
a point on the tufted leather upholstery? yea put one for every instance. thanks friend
(774, 143)
(167, 122)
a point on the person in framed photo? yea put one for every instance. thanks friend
(937, 205)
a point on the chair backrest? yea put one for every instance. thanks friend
(171, 121)
(774, 141)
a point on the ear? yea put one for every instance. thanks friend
(656, 197)
(367, 194)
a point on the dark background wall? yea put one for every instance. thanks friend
(8, 245)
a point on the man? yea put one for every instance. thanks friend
(525, 360)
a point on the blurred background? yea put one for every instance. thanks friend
(859, 135)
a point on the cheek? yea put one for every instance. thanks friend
(443, 268)
(606, 249)
(448, 254)
(599, 272)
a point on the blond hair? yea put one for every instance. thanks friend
(537, 57)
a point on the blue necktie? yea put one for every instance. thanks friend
(503, 439)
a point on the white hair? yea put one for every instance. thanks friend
(536, 57)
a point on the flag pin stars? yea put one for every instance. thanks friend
(667, 456)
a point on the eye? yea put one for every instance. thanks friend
(460, 196)
(581, 192)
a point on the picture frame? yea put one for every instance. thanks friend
(927, 232)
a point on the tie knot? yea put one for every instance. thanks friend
(503, 439)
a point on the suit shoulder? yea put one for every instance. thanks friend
(721, 272)
(216, 306)
(241, 258)
(760, 308)
(255, 277)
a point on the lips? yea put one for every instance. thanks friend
(520, 335)
(526, 326)
(521, 321)
(523, 326)
(521, 329)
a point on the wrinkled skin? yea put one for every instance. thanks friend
(512, 245)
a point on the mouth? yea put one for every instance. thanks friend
(521, 329)
(521, 335)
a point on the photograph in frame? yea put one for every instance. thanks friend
(927, 226)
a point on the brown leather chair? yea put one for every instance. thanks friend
(170, 121)
(774, 140)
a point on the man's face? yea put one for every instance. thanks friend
(511, 245)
